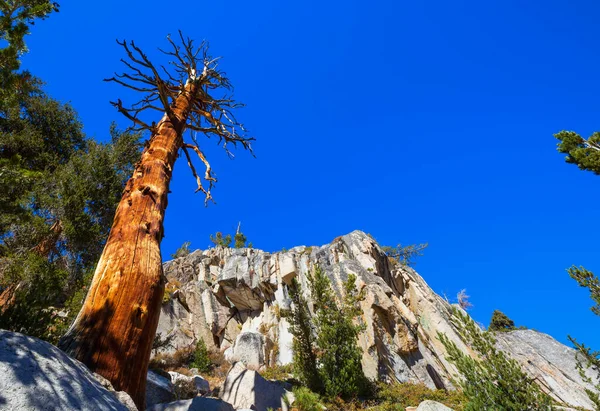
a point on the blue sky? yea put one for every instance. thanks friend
(421, 121)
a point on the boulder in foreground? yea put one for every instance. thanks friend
(35, 375)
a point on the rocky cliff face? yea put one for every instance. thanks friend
(222, 294)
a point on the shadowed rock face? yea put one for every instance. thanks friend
(224, 292)
(35, 375)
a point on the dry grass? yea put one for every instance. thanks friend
(402, 395)
(278, 372)
(180, 362)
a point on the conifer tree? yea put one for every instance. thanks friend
(303, 344)
(500, 322)
(221, 240)
(239, 238)
(587, 358)
(15, 18)
(329, 361)
(337, 337)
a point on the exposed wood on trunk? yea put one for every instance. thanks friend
(114, 331)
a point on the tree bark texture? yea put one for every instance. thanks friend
(114, 330)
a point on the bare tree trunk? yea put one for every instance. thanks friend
(114, 330)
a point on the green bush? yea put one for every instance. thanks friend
(306, 400)
(277, 372)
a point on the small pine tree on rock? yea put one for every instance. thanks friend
(182, 251)
(500, 322)
(220, 240)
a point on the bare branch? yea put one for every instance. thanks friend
(592, 145)
(190, 70)
(119, 105)
(207, 176)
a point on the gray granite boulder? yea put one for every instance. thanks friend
(249, 349)
(201, 384)
(159, 389)
(35, 375)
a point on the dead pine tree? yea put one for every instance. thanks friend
(115, 328)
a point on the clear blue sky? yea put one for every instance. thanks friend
(413, 121)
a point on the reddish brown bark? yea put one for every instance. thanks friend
(49, 243)
(8, 296)
(114, 330)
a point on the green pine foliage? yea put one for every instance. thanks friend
(337, 335)
(201, 359)
(585, 154)
(493, 381)
(16, 16)
(239, 240)
(587, 358)
(589, 280)
(500, 322)
(328, 361)
(303, 344)
(220, 240)
(405, 255)
(306, 400)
